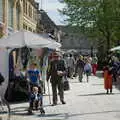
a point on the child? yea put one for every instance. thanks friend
(33, 74)
(36, 100)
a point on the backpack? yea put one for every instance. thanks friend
(87, 67)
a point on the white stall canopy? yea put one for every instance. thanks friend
(115, 48)
(26, 38)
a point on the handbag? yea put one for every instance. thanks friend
(66, 83)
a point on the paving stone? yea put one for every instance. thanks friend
(85, 101)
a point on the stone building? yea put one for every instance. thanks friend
(48, 26)
(18, 14)
(73, 41)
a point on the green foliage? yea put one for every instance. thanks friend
(95, 18)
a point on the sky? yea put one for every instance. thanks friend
(51, 7)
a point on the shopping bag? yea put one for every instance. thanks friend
(66, 83)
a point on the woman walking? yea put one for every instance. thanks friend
(108, 79)
(87, 69)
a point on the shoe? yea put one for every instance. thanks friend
(30, 111)
(54, 104)
(107, 92)
(110, 90)
(42, 111)
(63, 102)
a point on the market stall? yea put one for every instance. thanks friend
(18, 40)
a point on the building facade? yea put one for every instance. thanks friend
(72, 40)
(48, 26)
(17, 15)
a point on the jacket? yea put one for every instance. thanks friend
(56, 65)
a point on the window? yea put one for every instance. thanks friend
(30, 29)
(10, 13)
(24, 27)
(30, 11)
(35, 15)
(24, 6)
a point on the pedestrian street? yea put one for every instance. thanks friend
(84, 101)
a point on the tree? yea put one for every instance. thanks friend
(95, 18)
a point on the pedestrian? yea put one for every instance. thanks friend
(87, 69)
(107, 71)
(80, 68)
(70, 61)
(94, 64)
(18, 76)
(56, 72)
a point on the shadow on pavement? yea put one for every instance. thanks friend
(23, 111)
(51, 115)
(64, 116)
(94, 113)
(97, 84)
(98, 94)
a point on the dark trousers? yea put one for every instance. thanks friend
(36, 104)
(60, 86)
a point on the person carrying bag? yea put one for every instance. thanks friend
(56, 72)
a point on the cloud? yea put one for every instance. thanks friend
(56, 17)
(51, 7)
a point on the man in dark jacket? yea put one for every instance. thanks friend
(55, 73)
(80, 68)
